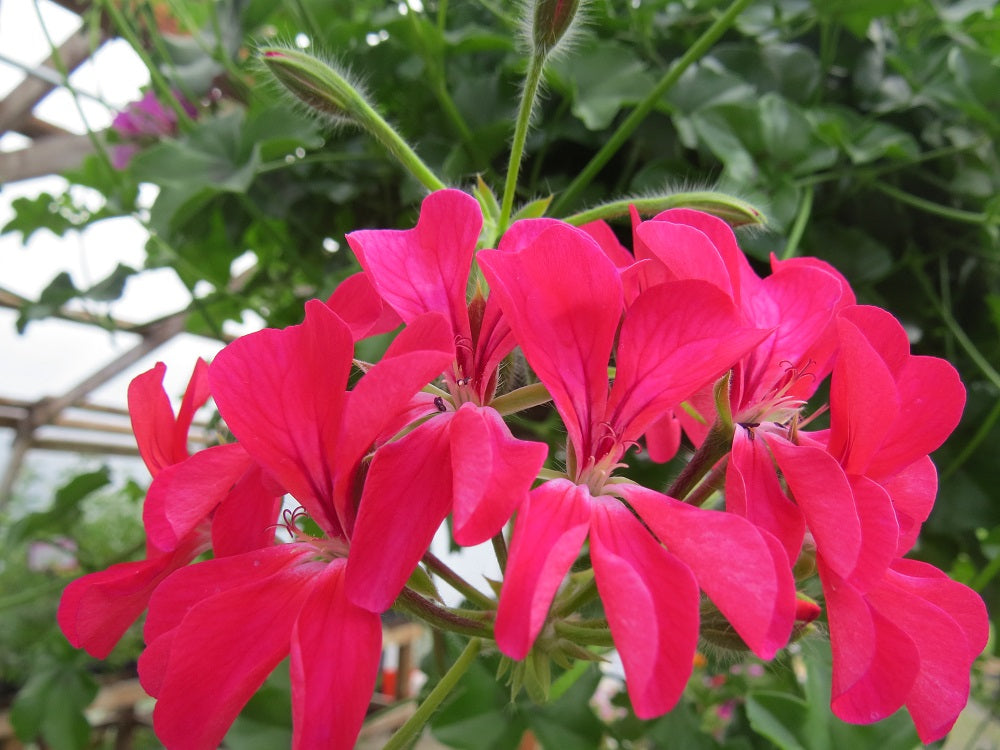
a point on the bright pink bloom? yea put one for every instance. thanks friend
(464, 459)
(902, 633)
(97, 609)
(675, 337)
(217, 628)
(144, 121)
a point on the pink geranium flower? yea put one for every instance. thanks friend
(96, 610)
(651, 556)
(217, 628)
(464, 459)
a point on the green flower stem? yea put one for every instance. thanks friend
(415, 723)
(372, 122)
(596, 634)
(960, 335)
(870, 172)
(936, 209)
(717, 444)
(453, 579)
(799, 227)
(500, 550)
(414, 604)
(523, 398)
(986, 575)
(160, 83)
(970, 446)
(531, 82)
(29, 596)
(582, 596)
(731, 210)
(694, 53)
(711, 484)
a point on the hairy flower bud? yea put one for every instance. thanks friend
(322, 88)
(551, 20)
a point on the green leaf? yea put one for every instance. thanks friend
(65, 511)
(604, 76)
(779, 717)
(50, 706)
(33, 214)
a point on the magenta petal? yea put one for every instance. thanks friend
(246, 518)
(153, 420)
(605, 236)
(223, 650)
(407, 496)
(820, 488)
(548, 534)
(492, 472)
(663, 438)
(685, 253)
(281, 393)
(651, 601)
(425, 269)
(754, 492)
(359, 305)
(564, 322)
(961, 603)
(195, 396)
(931, 398)
(875, 662)
(885, 334)
(183, 495)
(863, 400)
(745, 577)
(941, 688)
(912, 492)
(879, 532)
(675, 338)
(421, 352)
(97, 609)
(335, 649)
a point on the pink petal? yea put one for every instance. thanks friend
(753, 491)
(548, 534)
(183, 495)
(747, 578)
(863, 400)
(879, 533)
(821, 490)
(97, 609)
(651, 601)
(941, 688)
(153, 420)
(335, 648)
(663, 437)
(420, 353)
(425, 269)
(676, 337)
(492, 473)
(931, 398)
(875, 663)
(885, 334)
(281, 393)
(912, 492)
(564, 322)
(223, 650)
(246, 518)
(407, 496)
(494, 341)
(359, 305)
(195, 396)
(682, 252)
(605, 236)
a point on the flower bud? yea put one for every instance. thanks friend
(551, 20)
(319, 86)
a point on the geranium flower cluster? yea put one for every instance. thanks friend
(634, 350)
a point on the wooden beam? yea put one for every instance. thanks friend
(17, 105)
(50, 155)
